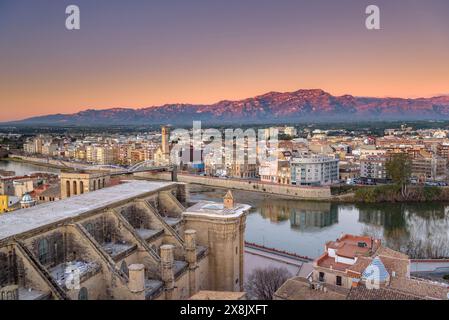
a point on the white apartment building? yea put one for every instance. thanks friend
(314, 170)
(373, 167)
(268, 171)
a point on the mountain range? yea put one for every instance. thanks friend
(273, 107)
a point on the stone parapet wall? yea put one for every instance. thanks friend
(313, 193)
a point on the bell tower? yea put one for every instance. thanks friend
(165, 140)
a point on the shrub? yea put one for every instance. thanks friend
(387, 193)
(431, 193)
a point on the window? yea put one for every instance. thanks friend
(83, 294)
(43, 251)
(81, 187)
(67, 187)
(338, 281)
(321, 277)
(75, 189)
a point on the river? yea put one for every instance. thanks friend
(420, 230)
(22, 168)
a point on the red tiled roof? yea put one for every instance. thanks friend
(351, 251)
(327, 262)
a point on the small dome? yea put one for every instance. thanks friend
(26, 199)
(376, 271)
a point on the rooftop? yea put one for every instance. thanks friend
(327, 262)
(299, 288)
(360, 249)
(214, 209)
(350, 246)
(52, 191)
(25, 220)
(363, 293)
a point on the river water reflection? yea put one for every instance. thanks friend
(420, 230)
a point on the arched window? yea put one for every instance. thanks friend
(99, 184)
(95, 185)
(104, 183)
(43, 251)
(59, 250)
(75, 188)
(124, 268)
(83, 294)
(81, 187)
(67, 187)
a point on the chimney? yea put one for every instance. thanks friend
(136, 278)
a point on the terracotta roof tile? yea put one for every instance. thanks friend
(361, 292)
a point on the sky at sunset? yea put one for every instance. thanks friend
(140, 53)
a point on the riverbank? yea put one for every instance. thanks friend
(394, 194)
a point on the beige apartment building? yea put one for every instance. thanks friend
(105, 155)
(430, 167)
